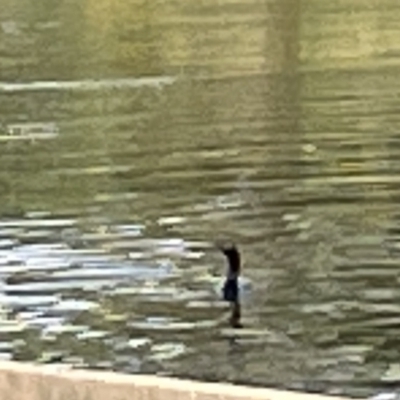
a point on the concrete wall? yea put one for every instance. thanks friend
(19, 381)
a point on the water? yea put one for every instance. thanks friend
(134, 135)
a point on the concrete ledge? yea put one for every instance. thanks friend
(20, 381)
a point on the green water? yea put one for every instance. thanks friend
(134, 134)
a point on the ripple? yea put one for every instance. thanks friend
(43, 321)
(86, 85)
(31, 131)
(87, 285)
(167, 324)
(28, 301)
(90, 335)
(138, 342)
(64, 328)
(35, 223)
(167, 351)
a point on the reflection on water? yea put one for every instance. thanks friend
(272, 123)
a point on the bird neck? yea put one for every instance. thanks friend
(233, 258)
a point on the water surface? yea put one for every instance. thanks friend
(133, 135)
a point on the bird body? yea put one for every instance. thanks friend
(230, 290)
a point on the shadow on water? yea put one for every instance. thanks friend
(132, 136)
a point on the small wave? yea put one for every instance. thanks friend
(87, 84)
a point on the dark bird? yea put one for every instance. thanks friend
(231, 287)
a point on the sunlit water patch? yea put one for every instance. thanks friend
(87, 84)
(47, 287)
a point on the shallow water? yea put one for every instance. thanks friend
(134, 135)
